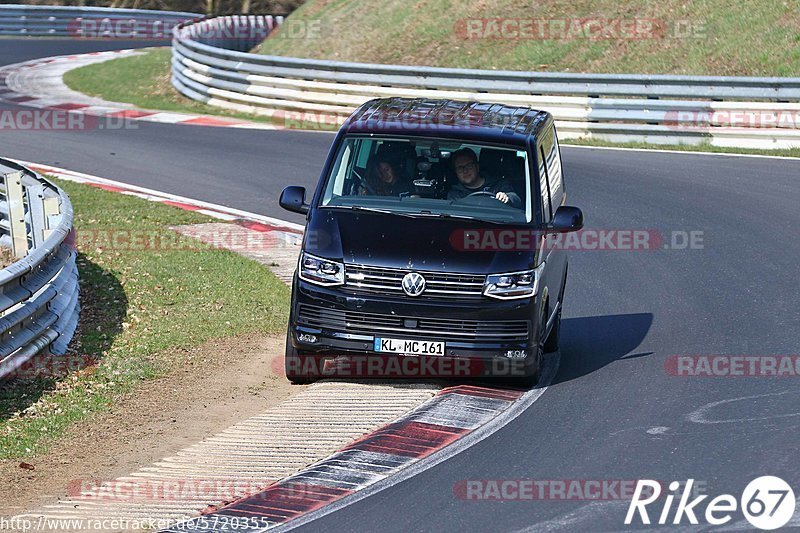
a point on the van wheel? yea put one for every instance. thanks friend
(551, 344)
(530, 380)
(293, 364)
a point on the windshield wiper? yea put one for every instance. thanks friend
(413, 214)
(368, 209)
(459, 217)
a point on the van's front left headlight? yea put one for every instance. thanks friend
(320, 271)
(513, 284)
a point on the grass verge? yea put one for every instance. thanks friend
(144, 81)
(140, 308)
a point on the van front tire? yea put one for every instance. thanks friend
(293, 364)
(551, 344)
(531, 379)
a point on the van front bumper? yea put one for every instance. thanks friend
(482, 338)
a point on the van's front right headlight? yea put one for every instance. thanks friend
(320, 271)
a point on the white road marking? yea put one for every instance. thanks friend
(682, 152)
(699, 416)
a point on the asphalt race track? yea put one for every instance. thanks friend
(198, 162)
(613, 411)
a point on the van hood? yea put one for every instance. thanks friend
(420, 243)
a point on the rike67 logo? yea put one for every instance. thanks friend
(768, 503)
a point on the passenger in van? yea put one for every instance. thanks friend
(470, 180)
(384, 179)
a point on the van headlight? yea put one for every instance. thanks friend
(513, 284)
(320, 271)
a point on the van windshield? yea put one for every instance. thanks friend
(430, 177)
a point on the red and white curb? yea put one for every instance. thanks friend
(39, 84)
(270, 241)
(454, 420)
(241, 460)
(451, 414)
(286, 231)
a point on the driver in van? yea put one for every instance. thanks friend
(470, 180)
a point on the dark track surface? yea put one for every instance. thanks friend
(625, 313)
(236, 168)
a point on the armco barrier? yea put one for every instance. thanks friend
(211, 67)
(66, 21)
(39, 292)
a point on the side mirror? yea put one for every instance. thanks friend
(566, 219)
(293, 198)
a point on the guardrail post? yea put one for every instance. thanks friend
(38, 223)
(52, 209)
(15, 195)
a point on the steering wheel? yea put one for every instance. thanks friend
(481, 193)
(364, 183)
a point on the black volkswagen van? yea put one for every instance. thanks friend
(427, 238)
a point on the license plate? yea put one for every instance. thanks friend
(406, 346)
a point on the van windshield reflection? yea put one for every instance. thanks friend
(430, 177)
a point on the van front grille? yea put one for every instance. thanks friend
(362, 279)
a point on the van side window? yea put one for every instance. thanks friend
(544, 187)
(554, 172)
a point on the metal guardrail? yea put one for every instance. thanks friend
(39, 292)
(618, 107)
(66, 21)
(231, 33)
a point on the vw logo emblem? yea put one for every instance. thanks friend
(413, 284)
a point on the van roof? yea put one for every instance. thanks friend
(430, 117)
